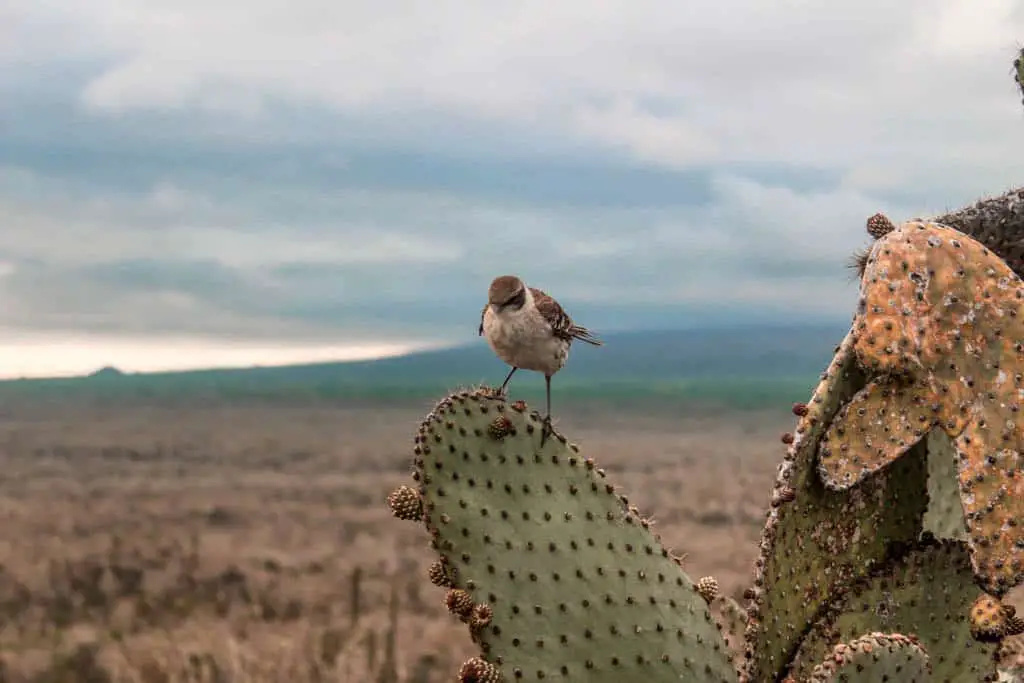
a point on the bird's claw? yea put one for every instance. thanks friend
(546, 430)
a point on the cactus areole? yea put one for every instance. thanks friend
(940, 327)
(893, 531)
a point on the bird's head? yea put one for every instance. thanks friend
(506, 291)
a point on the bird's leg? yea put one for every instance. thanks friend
(501, 391)
(547, 429)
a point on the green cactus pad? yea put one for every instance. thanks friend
(928, 592)
(875, 658)
(939, 308)
(945, 515)
(579, 588)
(817, 541)
(732, 619)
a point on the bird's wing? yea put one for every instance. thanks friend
(483, 312)
(561, 324)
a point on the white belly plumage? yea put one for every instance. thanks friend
(523, 340)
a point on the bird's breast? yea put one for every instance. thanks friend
(524, 342)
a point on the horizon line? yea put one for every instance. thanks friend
(151, 358)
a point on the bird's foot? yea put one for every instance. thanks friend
(546, 430)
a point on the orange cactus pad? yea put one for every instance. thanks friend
(941, 326)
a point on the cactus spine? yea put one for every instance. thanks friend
(894, 525)
(1018, 73)
(875, 657)
(573, 583)
(925, 589)
(940, 324)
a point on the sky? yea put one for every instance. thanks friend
(195, 184)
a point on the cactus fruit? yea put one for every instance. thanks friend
(478, 670)
(879, 226)
(707, 586)
(940, 314)
(567, 579)
(926, 590)
(991, 619)
(875, 657)
(459, 602)
(500, 427)
(439, 574)
(480, 617)
(912, 435)
(821, 540)
(405, 504)
(944, 517)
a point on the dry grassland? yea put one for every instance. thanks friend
(253, 544)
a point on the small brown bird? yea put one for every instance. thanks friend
(528, 329)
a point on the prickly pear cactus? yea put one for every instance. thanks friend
(732, 619)
(912, 433)
(1011, 660)
(941, 326)
(944, 517)
(816, 540)
(1018, 72)
(875, 657)
(928, 590)
(556, 576)
(997, 222)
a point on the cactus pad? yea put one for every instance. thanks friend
(875, 658)
(944, 313)
(1011, 659)
(997, 222)
(817, 541)
(565, 579)
(1018, 72)
(880, 423)
(945, 515)
(732, 619)
(927, 592)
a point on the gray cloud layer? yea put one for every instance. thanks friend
(334, 170)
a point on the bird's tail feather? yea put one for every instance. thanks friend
(586, 336)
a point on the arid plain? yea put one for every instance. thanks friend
(235, 543)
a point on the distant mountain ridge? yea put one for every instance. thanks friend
(649, 361)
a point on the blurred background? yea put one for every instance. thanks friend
(244, 248)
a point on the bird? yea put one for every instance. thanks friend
(528, 329)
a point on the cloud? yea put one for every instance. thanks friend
(361, 263)
(710, 81)
(325, 171)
